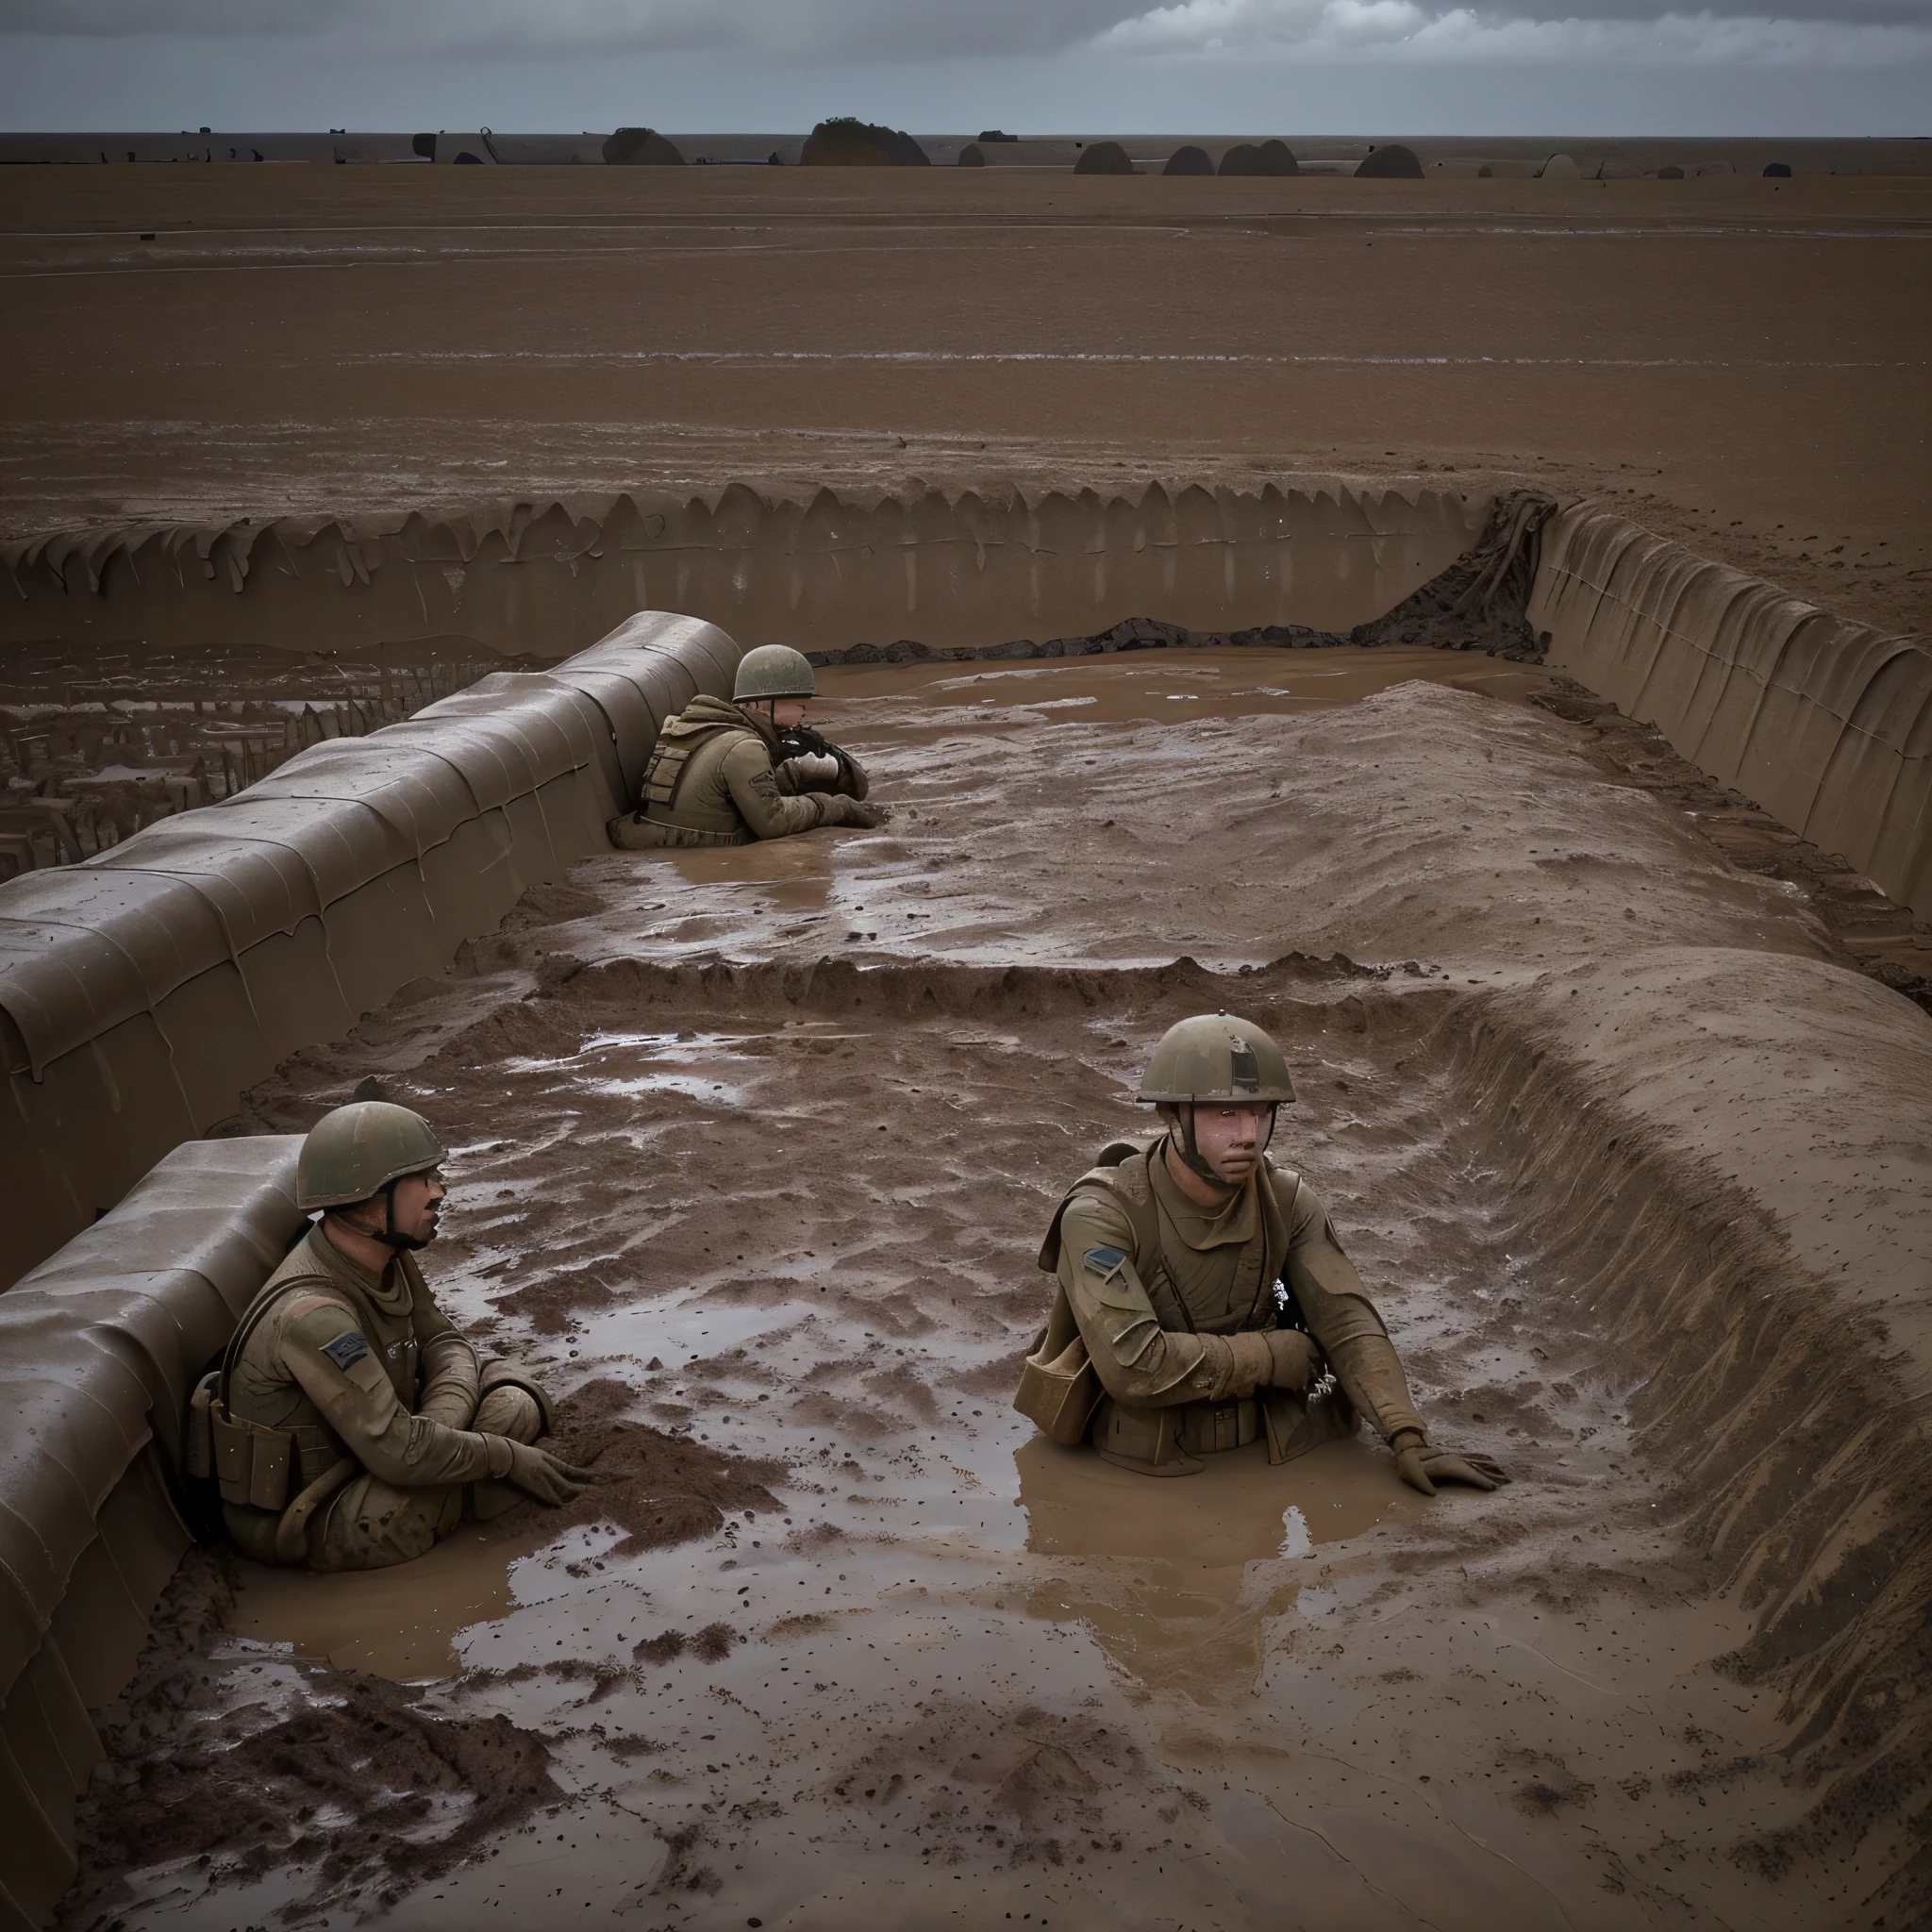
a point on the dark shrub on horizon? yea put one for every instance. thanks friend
(846, 141)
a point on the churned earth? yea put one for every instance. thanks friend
(752, 1152)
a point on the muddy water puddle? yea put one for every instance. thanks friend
(1152, 687)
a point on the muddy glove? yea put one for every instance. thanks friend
(1421, 1467)
(546, 1476)
(835, 809)
(1294, 1359)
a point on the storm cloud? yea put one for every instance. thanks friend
(1857, 32)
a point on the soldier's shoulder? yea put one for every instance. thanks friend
(302, 1260)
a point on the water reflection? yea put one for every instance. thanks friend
(1177, 1580)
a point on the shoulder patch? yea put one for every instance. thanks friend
(345, 1351)
(1103, 1261)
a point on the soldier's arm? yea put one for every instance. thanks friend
(754, 791)
(1342, 1318)
(1137, 1361)
(452, 1374)
(328, 1355)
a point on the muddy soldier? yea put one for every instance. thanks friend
(725, 774)
(1202, 1288)
(350, 1425)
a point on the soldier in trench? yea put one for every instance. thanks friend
(1202, 1290)
(351, 1425)
(728, 774)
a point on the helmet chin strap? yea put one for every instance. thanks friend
(1190, 1150)
(386, 1234)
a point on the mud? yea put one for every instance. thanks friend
(251, 1761)
(787, 1121)
(388, 342)
(1869, 930)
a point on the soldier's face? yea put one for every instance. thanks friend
(785, 712)
(416, 1206)
(1230, 1139)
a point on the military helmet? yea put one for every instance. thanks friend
(774, 671)
(358, 1150)
(1216, 1057)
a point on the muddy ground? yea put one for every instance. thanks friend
(754, 1150)
(1736, 362)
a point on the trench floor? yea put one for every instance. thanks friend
(770, 1141)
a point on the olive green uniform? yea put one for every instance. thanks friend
(1174, 1302)
(715, 778)
(350, 1364)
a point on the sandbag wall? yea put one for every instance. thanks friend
(142, 992)
(545, 576)
(1825, 723)
(99, 1349)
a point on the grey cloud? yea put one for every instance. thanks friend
(869, 30)
(888, 30)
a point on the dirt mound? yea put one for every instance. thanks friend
(657, 1488)
(1188, 160)
(844, 142)
(640, 147)
(972, 155)
(1479, 601)
(355, 1783)
(1103, 158)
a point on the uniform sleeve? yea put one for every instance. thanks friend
(1342, 1318)
(328, 1355)
(1137, 1361)
(754, 791)
(452, 1374)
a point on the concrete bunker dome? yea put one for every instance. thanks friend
(1271, 157)
(641, 147)
(1103, 158)
(1392, 163)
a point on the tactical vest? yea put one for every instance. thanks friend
(1061, 1394)
(294, 1468)
(670, 765)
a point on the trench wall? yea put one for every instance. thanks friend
(1825, 722)
(546, 578)
(99, 1349)
(144, 991)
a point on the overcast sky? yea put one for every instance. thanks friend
(1033, 66)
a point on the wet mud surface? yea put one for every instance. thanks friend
(787, 1123)
(388, 336)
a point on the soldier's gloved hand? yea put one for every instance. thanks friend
(1421, 1467)
(546, 1476)
(1293, 1356)
(841, 810)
